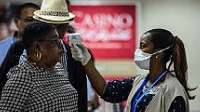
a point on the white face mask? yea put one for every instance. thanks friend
(142, 59)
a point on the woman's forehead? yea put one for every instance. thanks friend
(145, 38)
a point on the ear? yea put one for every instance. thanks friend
(17, 22)
(159, 55)
(37, 47)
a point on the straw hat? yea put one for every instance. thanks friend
(54, 11)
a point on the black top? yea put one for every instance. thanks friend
(77, 75)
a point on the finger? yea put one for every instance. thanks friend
(75, 47)
(82, 47)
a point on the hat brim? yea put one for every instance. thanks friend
(52, 22)
(53, 19)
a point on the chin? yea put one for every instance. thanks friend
(52, 64)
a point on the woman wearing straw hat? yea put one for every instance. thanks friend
(56, 12)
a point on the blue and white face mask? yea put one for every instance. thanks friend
(142, 59)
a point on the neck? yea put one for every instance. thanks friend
(155, 72)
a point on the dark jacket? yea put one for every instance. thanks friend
(77, 75)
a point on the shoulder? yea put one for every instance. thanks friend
(16, 48)
(18, 44)
(5, 45)
(139, 78)
(172, 82)
(19, 73)
(7, 40)
(173, 87)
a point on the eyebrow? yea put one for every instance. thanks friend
(143, 42)
(29, 17)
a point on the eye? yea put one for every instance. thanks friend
(142, 45)
(58, 42)
(29, 20)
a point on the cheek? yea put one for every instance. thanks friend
(22, 26)
(152, 60)
(54, 54)
(51, 58)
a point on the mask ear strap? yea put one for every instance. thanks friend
(162, 50)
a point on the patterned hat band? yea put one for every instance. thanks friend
(54, 13)
(52, 21)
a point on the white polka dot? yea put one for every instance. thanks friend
(174, 110)
(144, 100)
(180, 105)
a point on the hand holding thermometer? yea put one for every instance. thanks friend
(75, 39)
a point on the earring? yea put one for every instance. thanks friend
(39, 55)
(156, 57)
